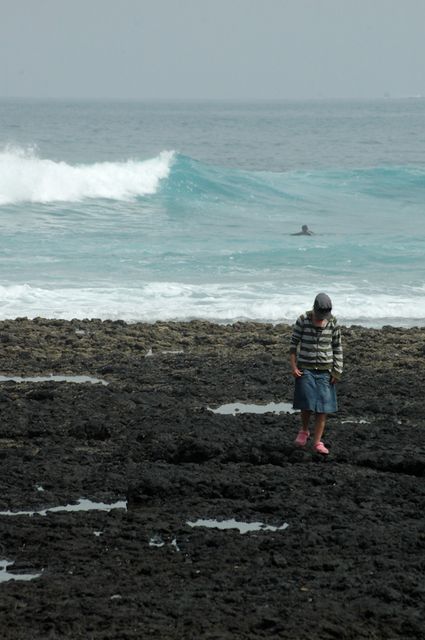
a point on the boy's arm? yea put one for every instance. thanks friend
(337, 353)
(295, 340)
(293, 360)
(297, 333)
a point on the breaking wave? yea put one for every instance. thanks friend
(173, 301)
(25, 177)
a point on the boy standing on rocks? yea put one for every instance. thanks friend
(316, 363)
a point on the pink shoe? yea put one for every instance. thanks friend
(320, 448)
(302, 438)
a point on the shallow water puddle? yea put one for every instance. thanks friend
(243, 527)
(53, 378)
(157, 541)
(173, 352)
(5, 575)
(82, 505)
(235, 408)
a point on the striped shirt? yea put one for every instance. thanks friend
(319, 348)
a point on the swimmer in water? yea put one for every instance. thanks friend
(305, 231)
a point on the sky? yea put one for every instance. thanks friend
(212, 49)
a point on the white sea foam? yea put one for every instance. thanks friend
(25, 177)
(214, 302)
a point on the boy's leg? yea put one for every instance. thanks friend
(303, 433)
(319, 427)
(305, 419)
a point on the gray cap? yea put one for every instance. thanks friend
(322, 306)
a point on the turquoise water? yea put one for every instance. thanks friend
(147, 211)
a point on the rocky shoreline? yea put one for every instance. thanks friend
(350, 563)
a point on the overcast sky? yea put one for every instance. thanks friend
(219, 49)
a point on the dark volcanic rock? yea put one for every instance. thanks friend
(350, 562)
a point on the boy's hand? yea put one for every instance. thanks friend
(334, 380)
(297, 373)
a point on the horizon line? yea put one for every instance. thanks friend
(210, 99)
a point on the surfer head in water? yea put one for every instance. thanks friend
(305, 231)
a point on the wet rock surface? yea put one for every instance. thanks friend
(350, 563)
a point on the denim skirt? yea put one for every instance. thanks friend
(314, 392)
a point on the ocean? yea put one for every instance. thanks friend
(147, 211)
